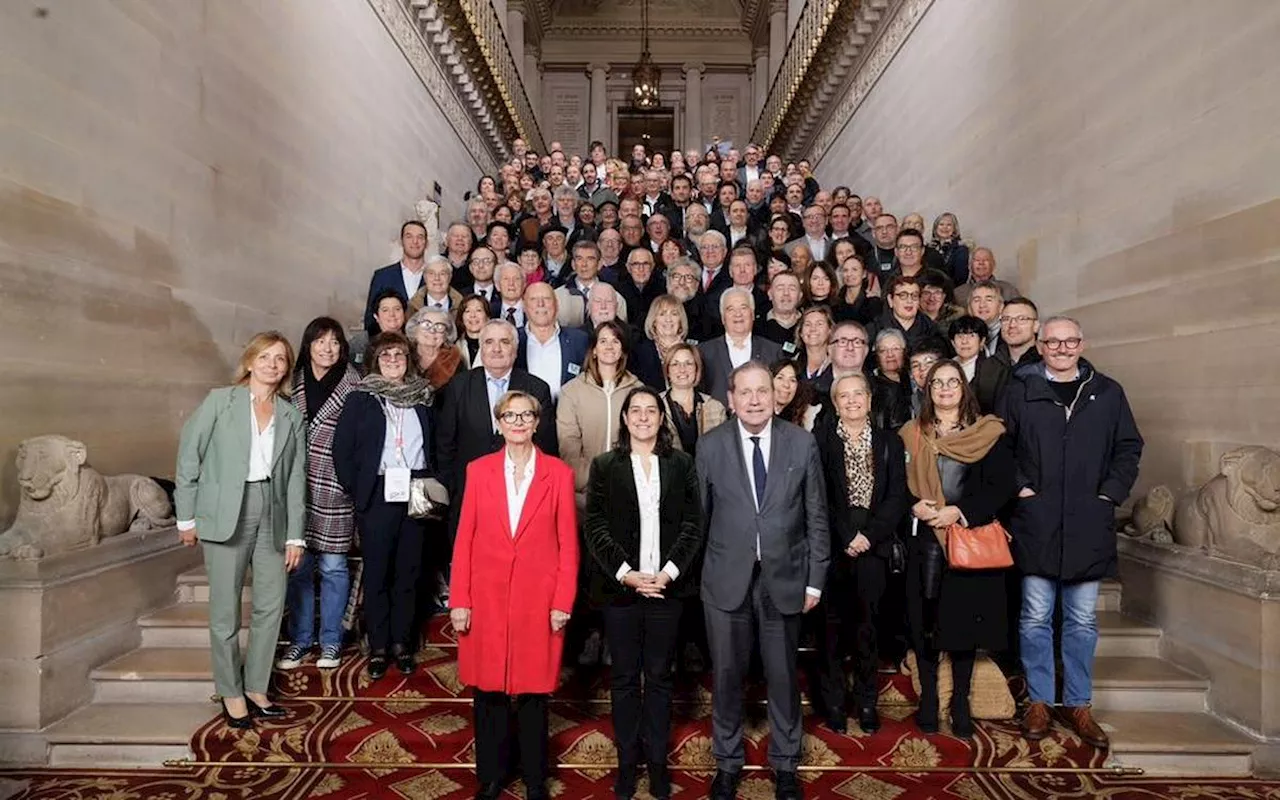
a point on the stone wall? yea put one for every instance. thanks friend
(175, 176)
(1122, 160)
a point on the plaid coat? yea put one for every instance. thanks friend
(331, 521)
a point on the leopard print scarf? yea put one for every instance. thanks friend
(859, 466)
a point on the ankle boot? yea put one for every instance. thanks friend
(961, 680)
(927, 712)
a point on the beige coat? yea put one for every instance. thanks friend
(587, 421)
(711, 412)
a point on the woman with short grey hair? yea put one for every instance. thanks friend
(434, 337)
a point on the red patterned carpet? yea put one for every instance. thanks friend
(365, 731)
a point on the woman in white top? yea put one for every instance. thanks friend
(643, 530)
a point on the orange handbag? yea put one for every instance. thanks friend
(984, 547)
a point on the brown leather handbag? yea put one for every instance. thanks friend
(983, 547)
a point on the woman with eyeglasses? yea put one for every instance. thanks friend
(435, 347)
(643, 530)
(514, 580)
(382, 441)
(960, 469)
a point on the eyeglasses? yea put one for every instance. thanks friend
(683, 278)
(392, 356)
(1058, 344)
(434, 327)
(910, 248)
(1023, 320)
(945, 383)
(907, 295)
(512, 417)
(847, 341)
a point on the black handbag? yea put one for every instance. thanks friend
(897, 556)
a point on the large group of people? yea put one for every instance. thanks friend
(685, 406)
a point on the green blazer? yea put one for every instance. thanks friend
(213, 462)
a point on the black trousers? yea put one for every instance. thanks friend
(493, 716)
(391, 543)
(850, 608)
(642, 635)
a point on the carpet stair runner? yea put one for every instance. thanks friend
(148, 702)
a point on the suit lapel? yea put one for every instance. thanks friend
(744, 469)
(282, 431)
(498, 485)
(666, 466)
(538, 491)
(777, 460)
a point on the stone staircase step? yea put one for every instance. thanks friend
(1109, 596)
(1119, 635)
(1128, 683)
(185, 625)
(1177, 744)
(193, 586)
(155, 675)
(126, 734)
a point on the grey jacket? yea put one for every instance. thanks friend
(791, 525)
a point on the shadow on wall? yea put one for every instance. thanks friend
(97, 347)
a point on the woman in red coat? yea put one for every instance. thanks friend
(515, 571)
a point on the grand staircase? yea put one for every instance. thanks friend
(147, 703)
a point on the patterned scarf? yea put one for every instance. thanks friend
(859, 466)
(406, 394)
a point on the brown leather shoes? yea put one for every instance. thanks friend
(1081, 720)
(1036, 721)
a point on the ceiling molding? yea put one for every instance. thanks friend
(632, 30)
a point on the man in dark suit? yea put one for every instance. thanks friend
(465, 426)
(765, 507)
(548, 350)
(723, 354)
(405, 277)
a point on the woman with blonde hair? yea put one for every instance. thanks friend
(241, 483)
(689, 413)
(665, 326)
(945, 251)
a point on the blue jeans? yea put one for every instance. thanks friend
(335, 584)
(1079, 638)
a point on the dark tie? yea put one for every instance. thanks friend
(511, 314)
(758, 471)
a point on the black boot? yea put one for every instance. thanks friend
(961, 678)
(927, 712)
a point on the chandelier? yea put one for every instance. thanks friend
(645, 76)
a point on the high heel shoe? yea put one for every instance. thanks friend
(271, 711)
(239, 723)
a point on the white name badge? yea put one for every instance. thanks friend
(574, 369)
(396, 485)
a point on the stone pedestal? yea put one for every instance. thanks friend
(1221, 619)
(67, 614)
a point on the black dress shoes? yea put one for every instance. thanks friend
(406, 663)
(489, 791)
(659, 782)
(961, 719)
(838, 723)
(377, 666)
(239, 723)
(868, 719)
(271, 711)
(786, 786)
(624, 788)
(536, 791)
(724, 786)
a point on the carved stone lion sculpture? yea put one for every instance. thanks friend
(66, 504)
(1236, 515)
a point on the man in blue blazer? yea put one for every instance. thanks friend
(547, 350)
(405, 276)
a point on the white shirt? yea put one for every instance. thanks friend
(736, 235)
(519, 308)
(261, 446)
(818, 247)
(750, 173)
(412, 280)
(649, 493)
(748, 454)
(484, 290)
(517, 493)
(738, 355)
(709, 276)
(402, 444)
(545, 360)
(969, 367)
(441, 304)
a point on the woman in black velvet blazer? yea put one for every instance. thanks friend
(643, 530)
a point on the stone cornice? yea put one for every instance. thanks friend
(409, 38)
(632, 30)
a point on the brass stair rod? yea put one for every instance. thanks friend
(560, 701)
(313, 765)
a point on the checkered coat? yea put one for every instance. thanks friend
(331, 521)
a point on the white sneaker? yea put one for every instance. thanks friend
(330, 657)
(293, 657)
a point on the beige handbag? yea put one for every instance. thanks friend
(428, 499)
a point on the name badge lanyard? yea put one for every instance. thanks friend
(396, 478)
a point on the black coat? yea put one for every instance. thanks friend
(358, 441)
(1071, 461)
(864, 310)
(611, 524)
(464, 426)
(971, 612)
(888, 499)
(990, 376)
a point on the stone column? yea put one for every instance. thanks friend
(693, 107)
(760, 83)
(598, 127)
(777, 35)
(515, 33)
(533, 78)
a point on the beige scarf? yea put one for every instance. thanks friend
(968, 446)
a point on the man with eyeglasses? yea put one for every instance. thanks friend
(465, 427)
(902, 311)
(640, 284)
(847, 350)
(436, 294)
(815, 235)
(909, 251)
(1019, 326)
(1077, 449)
(884, 239)
(684, 278)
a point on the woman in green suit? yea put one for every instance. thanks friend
(241, 492)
